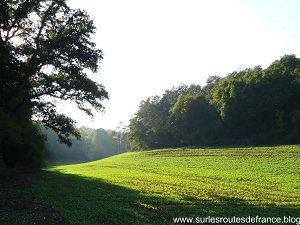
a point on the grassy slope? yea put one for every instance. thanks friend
(154, 186)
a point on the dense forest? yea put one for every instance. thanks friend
(247, 107)
(94, 145)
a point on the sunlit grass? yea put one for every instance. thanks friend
(161, 184)
(267, 175)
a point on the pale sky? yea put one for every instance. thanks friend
(150, 46)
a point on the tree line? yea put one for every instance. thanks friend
(247, 107)
(94, 144)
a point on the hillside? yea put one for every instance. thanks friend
(156, 187)
(198, 182)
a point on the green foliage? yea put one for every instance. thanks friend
(192, 119)
(94, 144)
(45, 48)
(121, 136)
(257, 103)
(151, 126)
(22, 144)
(33, 151)
(250, 106)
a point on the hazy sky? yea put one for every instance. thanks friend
(150, 46)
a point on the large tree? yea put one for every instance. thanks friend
(45, 49)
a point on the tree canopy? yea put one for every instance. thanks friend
(250, 106)
(45, 49)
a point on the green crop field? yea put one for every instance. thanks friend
(159, 186)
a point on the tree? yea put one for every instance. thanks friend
(94, 145)
(121, 136)
(151, 127)
(260, 106)
(45, 48)
(193, 120)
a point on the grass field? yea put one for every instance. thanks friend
(154, 187)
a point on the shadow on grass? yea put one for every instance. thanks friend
(19, 205)
(82, 200)
(58, 198)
